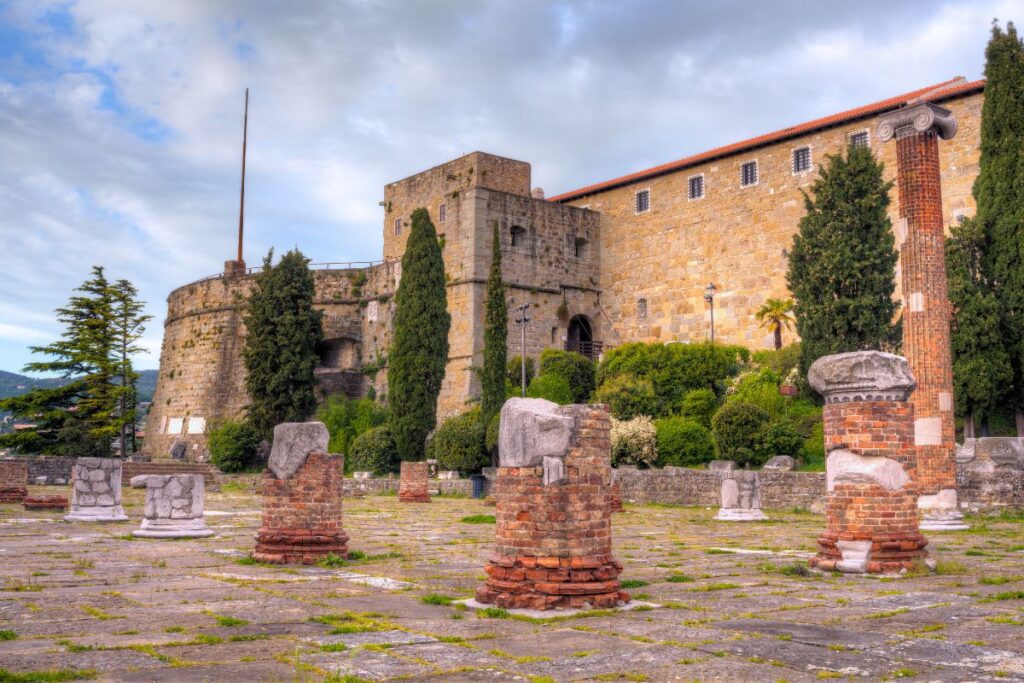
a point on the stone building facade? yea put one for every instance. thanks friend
(598, 269)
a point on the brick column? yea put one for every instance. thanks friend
(553, 538)
(13, 481)
(871, 509)
(412, 483)
(920, 235)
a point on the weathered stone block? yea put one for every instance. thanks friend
(96, 493)
(293, 441)
(530, 430)
(174, 507)
(781, 463)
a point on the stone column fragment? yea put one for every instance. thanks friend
(174, 507)
(553, 536)
(302, 498)
(96, 491)
(413, 483)
(920, 234)
(13, 481)
(871, 508)
(741, 497)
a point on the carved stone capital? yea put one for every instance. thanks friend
(919, 118)
(862, 376)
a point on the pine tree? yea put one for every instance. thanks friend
(999, 191)
(982, 373)
(128, 325)
(282, 333)
(492, 377)
(419, 348)
(842, 265)
(77, 418)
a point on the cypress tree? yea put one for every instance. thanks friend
(842, 265)
(999, 191)
(283, 331)
(419, 347)
(128, 324)
(981, 366)
(492, 377)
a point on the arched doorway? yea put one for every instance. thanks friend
(581, 338)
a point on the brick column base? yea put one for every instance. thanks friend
(412, 483)
(12, 493)
(617, 498)
(302, 515)
(528, 582)
(52, 503)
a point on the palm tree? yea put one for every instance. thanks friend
(775, 314)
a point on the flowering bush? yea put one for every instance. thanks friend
(634, 442)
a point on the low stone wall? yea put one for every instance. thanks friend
(685, 486)
(56, 468)
(981, 491)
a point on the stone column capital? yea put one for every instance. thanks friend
(862, 376)
(915, 119)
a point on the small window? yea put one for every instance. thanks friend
(580, 247)
(554, 335)
(442, 213)
(398, 226)
(518, 235)
(801, 160)
(696, 186)
(641, 309)
(643, 201)
(748, 174)
(859, 139)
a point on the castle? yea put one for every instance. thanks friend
(628, 259)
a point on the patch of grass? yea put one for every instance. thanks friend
(51, 676)
(723, 586)
(99, 614)
(331, 560)
(174, 629)
(478, 519)
(436, 599)
(888, 613)
(719, 551)
(247, 638)
(825, 673)
(21, 587)
(1007, 619)
(633, 583)
(7, 634)
(946, 567)
(679, 578)
(223, 620)
(903, 672)
(356, 555)
(975, 553)
(84, 564)
(493, 613)
(996, 580)
(1005, 595)
(334, 647)
(250, 561)
(796, 569)
(584, 653)
(353, 622)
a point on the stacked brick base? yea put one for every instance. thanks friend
(13, 480)
(50, 503)
(302, 515)
(412, 483)
(553, 547)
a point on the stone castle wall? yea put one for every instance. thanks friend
(736, 237)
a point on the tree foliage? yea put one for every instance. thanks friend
(419, 349)
(127, 326)
(740, 431)
(492, 375)
(347, 418)
(280, 353)
(458, 444)
(774, 316)
(575, 368)
(842, 265)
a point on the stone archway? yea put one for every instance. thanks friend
(581, 337)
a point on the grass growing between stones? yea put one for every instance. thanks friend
(7, 634)
(51, 676)
(436, 599)
(478, 519)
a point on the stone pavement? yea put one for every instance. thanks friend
(737, 607)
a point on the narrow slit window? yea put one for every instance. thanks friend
(641, 309)
(643, 201)
(398, 226)
(442, 213)
(748, 174)
(696, 187)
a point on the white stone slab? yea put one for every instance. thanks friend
(928, 431)
(554, 613)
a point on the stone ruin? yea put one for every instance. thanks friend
(553, 490)
(413, 482)
(174, 507)
(302, 494)
(741, 497)
(13, 481)
(96, 491)
(871, 508)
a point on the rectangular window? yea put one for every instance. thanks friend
(442, 213)
(696, 186)
(643, 201)
(748, 174)
(859, 139)
(801, 160)
(398, 226)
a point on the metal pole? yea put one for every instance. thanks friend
(241, 204)
(522, 362)
(712, 320)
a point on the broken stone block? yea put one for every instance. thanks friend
(174, 507)
(293, 441)
(96, 492)
(781, 463)
(530, 429)
(139, 481)
(741, 497)
(721, 466)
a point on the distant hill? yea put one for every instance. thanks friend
(13, 384)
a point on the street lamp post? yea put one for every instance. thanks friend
(709, 296)
(522, 320)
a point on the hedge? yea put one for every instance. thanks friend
(552, 387)
(628, 397)
(578, 370)
(233, 446)
(739, 430)
(458, 444)
(683, 442)
(373, 451)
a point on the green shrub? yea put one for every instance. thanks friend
(628, 397)
(515, 372)
(374, 451)
(347, 418)
(578, 370)
(634, 442)
(782, 362)
(699, 405)
(760, 388)
(781, 438)
(491, 437)
(673, 369)
(813, 450)
(458, 444)
(683, 442)
(739, 430)
(551, 387)
(233, 445)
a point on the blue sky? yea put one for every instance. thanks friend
(120, 122)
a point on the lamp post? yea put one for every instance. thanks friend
(522, 320)
(709, 296)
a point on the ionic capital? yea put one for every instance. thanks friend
(915, 119)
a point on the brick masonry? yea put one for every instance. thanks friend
(13, 480)
(553, 547)
(412, 483)
(302, 515)
(52, 503)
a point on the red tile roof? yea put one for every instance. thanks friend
(933, 93)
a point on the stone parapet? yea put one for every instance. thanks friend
(96, 491)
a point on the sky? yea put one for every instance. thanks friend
(120, 122)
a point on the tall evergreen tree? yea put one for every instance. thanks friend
(982, 373)
(842, 265)
(419, 347)
(492, 377)
(282, 333)
(999, 191)
(128, 324)
(77, 418)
